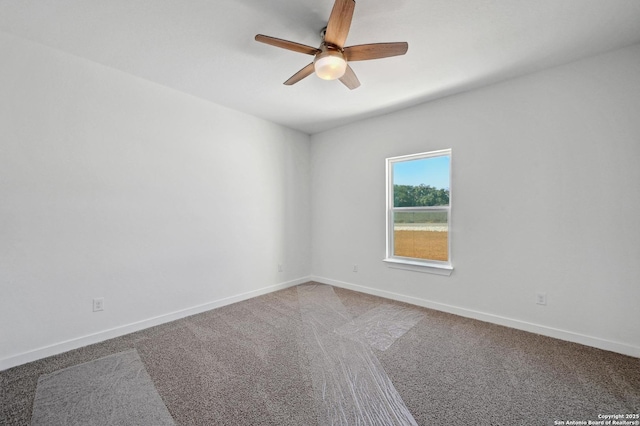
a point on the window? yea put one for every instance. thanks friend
(419, 212)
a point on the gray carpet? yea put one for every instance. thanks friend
(253, 363)
(113, 390)
(350, 385)
(240, 364)
(381, 326)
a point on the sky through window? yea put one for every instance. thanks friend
(429, 171)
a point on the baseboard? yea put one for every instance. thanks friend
(100, 336)
(569, 336)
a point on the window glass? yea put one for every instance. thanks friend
(422, 235)
(419, 208)
(423, 182)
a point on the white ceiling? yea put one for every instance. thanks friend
(206, 47)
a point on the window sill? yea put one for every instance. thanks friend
(408, 265)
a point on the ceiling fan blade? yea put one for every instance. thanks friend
(304, 72)
(339, 22)
(349, 79)
(286, 44)
(364, 52)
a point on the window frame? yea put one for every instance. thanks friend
(410, 263)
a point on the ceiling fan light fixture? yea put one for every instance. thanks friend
(330, 64)
(330, 59)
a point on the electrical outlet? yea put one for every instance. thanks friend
(98, 304)
(355, 268)
(541, 298)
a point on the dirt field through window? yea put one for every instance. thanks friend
(421, 244)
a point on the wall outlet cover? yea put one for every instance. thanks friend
(98, 304)
(541, 298)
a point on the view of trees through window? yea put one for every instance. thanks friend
(421, 193)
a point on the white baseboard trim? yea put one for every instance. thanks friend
(58, 348)
(569, 336)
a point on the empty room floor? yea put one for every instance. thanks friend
(316, 355)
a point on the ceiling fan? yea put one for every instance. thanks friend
(331, 58)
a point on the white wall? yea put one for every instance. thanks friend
(114, 187)
(546, 198)
(165, 205)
